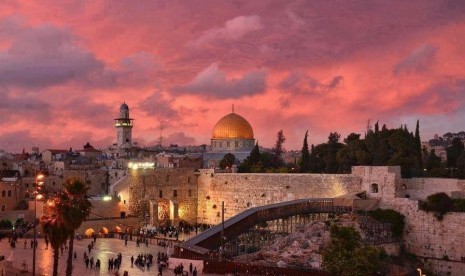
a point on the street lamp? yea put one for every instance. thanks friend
(39, 182)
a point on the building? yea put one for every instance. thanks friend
(123, 125)
(231, 134)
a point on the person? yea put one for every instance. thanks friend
(25, 244)
(132, 261)
(87, 261)
(75, 255)
(194, 273)
(190, 268)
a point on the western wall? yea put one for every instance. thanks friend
(197, 197)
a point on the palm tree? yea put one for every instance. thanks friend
(56, 233)
(74, 208)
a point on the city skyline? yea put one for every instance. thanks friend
(293, 65)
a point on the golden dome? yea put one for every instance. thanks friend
(232, 126)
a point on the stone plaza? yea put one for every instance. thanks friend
(105, 249)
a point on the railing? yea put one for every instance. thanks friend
(242, 222)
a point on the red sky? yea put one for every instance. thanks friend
(321, 66)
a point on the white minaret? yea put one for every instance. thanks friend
(123, 126)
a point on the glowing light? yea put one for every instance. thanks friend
(39, 176)
(39, 196)
(141, 165)
(106, 198)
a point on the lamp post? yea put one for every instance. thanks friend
(39, 182)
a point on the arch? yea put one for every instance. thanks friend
(104, 231)
(374, 188)
(3, 193)
(26, 195)
(89, 232)
(117, 229)
(3, 207)
(407, 196)
(9, 193)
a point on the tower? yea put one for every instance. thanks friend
(123, 125)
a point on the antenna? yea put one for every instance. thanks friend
(162, 126)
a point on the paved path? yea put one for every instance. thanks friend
(104, 250)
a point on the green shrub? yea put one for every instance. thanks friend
(4, 223)
(459, 204)
(440, 204)
(396, 219)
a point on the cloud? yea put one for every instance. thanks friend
(417, 61)
(26, 107)
(41, 56)
(159, 105)
(20, 139)
(180, 138)
(302, 83)
(233, 29)
(214, 83)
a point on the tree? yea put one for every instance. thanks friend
(331, 152)
(74, 208)
(279, 148)
(254, 157)
(418, 145)
(54, 230)
(454, 151)
(305, 156)
(228, 160)
(345, 256)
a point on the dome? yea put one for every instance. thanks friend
(124, 106)
(232, 126)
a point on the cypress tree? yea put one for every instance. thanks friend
(305, 159)
(418, 145)
(254, 155)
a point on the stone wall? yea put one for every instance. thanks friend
(439, 243)
(421, 188)
(96, 179)
(243, 191)
(176, 187)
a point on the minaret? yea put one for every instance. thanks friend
(123, 126)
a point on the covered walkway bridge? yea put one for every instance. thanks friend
(211, 239)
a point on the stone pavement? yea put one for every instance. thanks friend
(104, 250)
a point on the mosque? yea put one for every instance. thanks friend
(231, 134)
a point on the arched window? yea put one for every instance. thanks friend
(26, 195)
(407, 196)
(9, 193)
(374, 188)
(3, 193)
(3, 207)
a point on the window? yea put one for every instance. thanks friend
(374, 188)
(9, 193)
(3, 193)
(3, 207)
(190, 193)
(160, 194)
(26, 195)
(189, 179)
(26, 185)
(175, 193)
(53, 183)
(167, 177)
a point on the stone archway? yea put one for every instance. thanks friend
(117, 229)
(89, 232)
(103, 231)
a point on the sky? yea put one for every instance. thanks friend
(296, 65)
